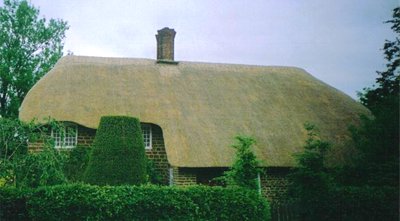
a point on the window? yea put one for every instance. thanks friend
(65, 137)
(146, 129)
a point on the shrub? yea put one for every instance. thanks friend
(244, 170)
(75, 165)
(232, 203)
(13, 144)
(13, 204)
(118, 155)
(17, 167)
(358, 203)
(41, 169)
(153, 176)
(85, 202)
(311, 181)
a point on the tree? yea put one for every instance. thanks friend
(118, 155)
(311, 181)
(377, 138)
(29, 47)
(388, 81)
(244, 171)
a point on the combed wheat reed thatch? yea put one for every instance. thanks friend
(201, 107)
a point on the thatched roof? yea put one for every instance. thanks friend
(200, 107)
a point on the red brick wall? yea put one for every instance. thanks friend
(85, 136)
(184, 176)
(274, 184)
(158, 155)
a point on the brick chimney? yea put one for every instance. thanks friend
(165, 45)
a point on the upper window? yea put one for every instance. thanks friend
(65, 137)
(147, 135)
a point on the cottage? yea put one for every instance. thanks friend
(191, 111)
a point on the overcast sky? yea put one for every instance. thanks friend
(337, 41)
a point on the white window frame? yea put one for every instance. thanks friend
(150, 143)
(65, 128)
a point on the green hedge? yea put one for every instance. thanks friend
(85, 202)
(13, 204)
(361, 203)
(118, 155)
(352, 203)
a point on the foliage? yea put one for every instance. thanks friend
(13, 138)
(17, 167)
(319, 193)
(43, 168)
(359, 203)
(153, 176)
(244, 171)
(29, 47)
(13, 143)
(388, 81)
(377, 138)
(85, 202)
(13, 203)
(76, 163)
(231, 203)
(311, 182)
(118, 155)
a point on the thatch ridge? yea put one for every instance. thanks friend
(199, 106)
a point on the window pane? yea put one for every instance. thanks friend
(65, 137)
(146, 129)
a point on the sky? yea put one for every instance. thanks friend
(337, 41)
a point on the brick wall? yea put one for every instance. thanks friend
(274, 184)
(35, 146)
(158, 155)
(85, 136)
(184, 176)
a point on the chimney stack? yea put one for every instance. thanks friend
(165, 45)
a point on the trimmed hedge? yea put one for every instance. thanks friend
(85, 202)
(118, 155)
(365, 203)
(13, 204)
(351, 203)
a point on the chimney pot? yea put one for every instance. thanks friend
(165, 45)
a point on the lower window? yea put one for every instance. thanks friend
(65, 137)
(147, 135)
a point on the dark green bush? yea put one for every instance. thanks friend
(13, 204)
(76, 163)
(153, 176)
(234, 203)
(118, 155)
(359, 203)
(85, 202)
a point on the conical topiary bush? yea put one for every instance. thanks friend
(118, 155)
